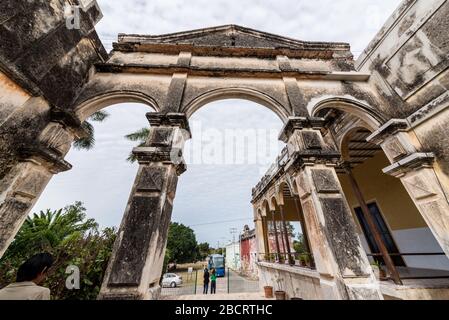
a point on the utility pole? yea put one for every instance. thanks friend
(233, 231)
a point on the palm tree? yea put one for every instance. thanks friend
(140, 136)
(88, 142)
(48, 229)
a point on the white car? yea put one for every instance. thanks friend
(171, 280)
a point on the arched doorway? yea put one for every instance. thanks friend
(413, 249)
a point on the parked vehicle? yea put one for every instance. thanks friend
(171, 280)
(216, 261)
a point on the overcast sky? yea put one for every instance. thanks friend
(214, 192)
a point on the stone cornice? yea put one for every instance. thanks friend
(388, 129)
(298, 123)
(303, 158)
(410, 163)
(46, 156)
(109, 67)
(69, 120)
(171, 119)
(147, 155)
(231, 40)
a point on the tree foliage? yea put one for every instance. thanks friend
(204, 250)
(182, 246)
(299, 245)
(139, 136)
(72, 239)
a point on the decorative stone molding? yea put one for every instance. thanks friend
(298, 123)
(390, 128)
(165, 141)
(171, 119)
(44, 156)
(147, 155)
(69, 120)
(413, 162)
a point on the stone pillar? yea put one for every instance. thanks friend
(36, 161)
(266, 238)
(260, 237)
(414, 168)
(282, 242)
(345, 272)
(286, 236)
(276, 239)
(135, 267)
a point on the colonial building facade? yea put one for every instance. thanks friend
(365, 169)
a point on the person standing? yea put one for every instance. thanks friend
(213, 282)
(205, 281)
(30, 274)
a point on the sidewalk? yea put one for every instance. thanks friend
(220, 296)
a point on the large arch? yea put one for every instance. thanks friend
(253, 95)
(369, 115)
(85, 109)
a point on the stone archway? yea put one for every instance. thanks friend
(237, 93)
(177, 74)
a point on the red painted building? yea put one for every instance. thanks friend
(248, 253)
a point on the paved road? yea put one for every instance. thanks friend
(237, 284)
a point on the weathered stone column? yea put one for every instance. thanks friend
(36, 162)
(415, 170)
(266, 235)
(345, 272)
(286, 236)
(135, 267)
(260, 236)
(276, 239)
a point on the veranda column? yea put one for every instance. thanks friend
(415, 169)
(266, 237)
(135, 266)
(286, 238)
(282, 242)
(345, 272)
(278, 249)
(260, 235)
(372, 225)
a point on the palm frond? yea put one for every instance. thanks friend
(99, 116)
(140, 135)
(87, 142)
